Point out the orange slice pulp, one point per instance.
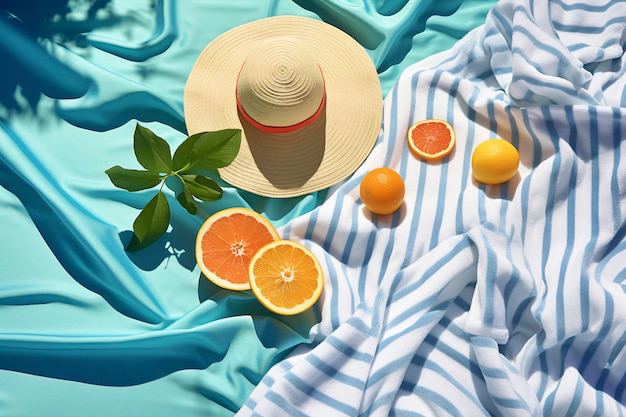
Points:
(431, 139)
(226, 243)
(286, 277)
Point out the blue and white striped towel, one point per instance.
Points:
(480, 300)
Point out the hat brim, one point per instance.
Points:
(310, 159)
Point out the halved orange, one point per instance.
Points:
(286, 277)
(226, 243)
(431, 139)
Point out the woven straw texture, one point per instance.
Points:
(310, 159)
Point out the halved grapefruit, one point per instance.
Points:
(431, 139)
(226, 243)
(286, 277)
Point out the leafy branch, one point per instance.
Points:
(198, 153)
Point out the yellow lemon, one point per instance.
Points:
(494, 161)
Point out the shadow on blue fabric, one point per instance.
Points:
(36, 72)
(372, 32)
(22, 24)
(119, 363)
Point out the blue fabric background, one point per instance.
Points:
(85, 328)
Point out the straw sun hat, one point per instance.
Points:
(305, 95)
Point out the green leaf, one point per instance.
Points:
(185, 198)
(151, 223)
(203, 188)
(182, 156)
(212, 150)
(132, 179)
(152, 152)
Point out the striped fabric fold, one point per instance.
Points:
(477, 300)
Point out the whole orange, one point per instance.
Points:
(382, 190)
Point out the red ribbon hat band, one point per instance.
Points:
(280, 129)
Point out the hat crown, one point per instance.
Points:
(280, 83)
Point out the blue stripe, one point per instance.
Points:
(308, 234)
(313, 392)
(493, 372)
(599, 404)
(438, 399)
(563, 353)
(491, 272)
(586, 6)
(367, 255)
(514, 279)
(548, 404)
(284, 404)
(413, 310)
(404, 413)
(615, 186)
(602, 334)
(571, 221)
(521, 308)
(390, 368)
(502, 70)
(358, 324)
(334, 298)
(578, 46)
(588, 29)
(349, 351)
(334, 373)
(250, 403)
(504, 188)
(347, 251)
(469, 142)
(484, 342)
(620, 389)
(456, 356)
(424, 320)
(332, 228)
(543, 366)
(617, 349)
(572, 411)
(508, 402)
(504, 23)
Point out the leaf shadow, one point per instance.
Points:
(178, 243)
(34, 70)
